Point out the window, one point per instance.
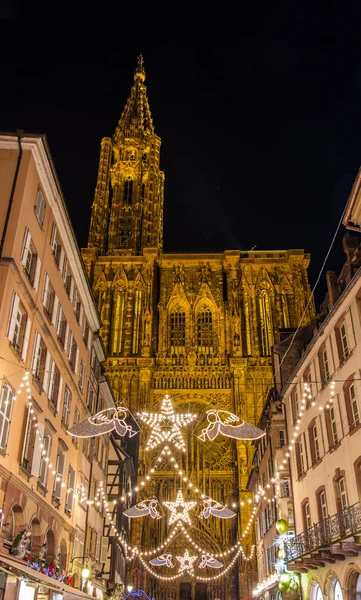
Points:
(84, 490)
(81, 376)
(55, 384)
(286, 488)
(18, 330)
(91, 398)
(6, 408)
(342, 493)
(344, 340)
(76, 303)
(66, 275)
(48, 297)
(94, 364)
(72, 350)
(85, 331)
(59, 475)
(204, 329)
(60, 325)
(281, 437)
(39, 359)
(79, 542)
(314, 442)
(31, 454)
(300, 458)
(44, 461)
(177, 329)
(66, 407)
(322, 505)
(324, 365)
(30, 260)
(350, 389)
(307, 515)
(333, 425)
(39, 208)
(55, 243)
(128, 191)
(70, 491)
(354, 405)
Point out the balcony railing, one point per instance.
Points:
(330, 530)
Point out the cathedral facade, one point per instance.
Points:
(198, 327)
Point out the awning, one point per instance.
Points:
(49, 582)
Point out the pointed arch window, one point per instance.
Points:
(177, 329)
(205, 329)
(117, 321)
(128, 191)
(265, 322)
(136, 320)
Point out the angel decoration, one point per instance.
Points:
(211, 507)
(229, 425)
(163, 559)
(104, 422)
(144, 508)
(209, 561)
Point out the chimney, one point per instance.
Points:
(332, 288)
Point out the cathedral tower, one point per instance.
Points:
(127, 212)
(199, 327)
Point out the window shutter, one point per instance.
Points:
(35, 465)
(70, 491)
(6, 406)
(97, 549)
(44, 299)
(37, 274)
(25, 247)
(54, 316)
(350, 330)
(47, 374)
(26, 339)
(104, 549)
(13, 313)
(59, 393)
(76, 360)
(61, 259)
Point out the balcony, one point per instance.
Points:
(327, 541)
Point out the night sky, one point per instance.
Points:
(259, 111)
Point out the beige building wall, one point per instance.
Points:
(47, 329)
(323, 404)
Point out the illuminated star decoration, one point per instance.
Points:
(186, 562)
(166, 425)
(219, 421)
(179, 509)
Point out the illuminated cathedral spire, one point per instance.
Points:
(127, 212)
(136, 120)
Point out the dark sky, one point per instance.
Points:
(258, 109)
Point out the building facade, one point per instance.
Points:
(270, 483)
(196, 327)
(322, 398)
(52, 485)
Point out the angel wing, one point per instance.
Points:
(163, 559)
(245, 431)
(137, 510)
(102, 422)
(223, 512)
(214, 563)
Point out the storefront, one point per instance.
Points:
(24, 583)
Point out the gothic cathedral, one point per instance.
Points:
(196, 327)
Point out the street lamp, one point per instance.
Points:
(129, 588)
(85, 572)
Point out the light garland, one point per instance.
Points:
(166, 425)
